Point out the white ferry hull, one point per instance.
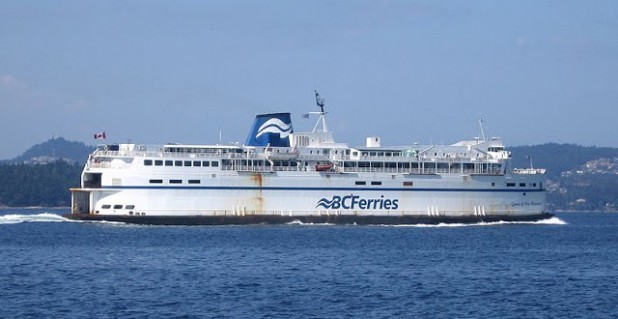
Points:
(321, 198)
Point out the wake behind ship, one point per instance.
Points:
(279, 176)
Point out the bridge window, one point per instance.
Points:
(156, 181)
(175, 181)
(359, 183)
(158, 163)
(376, 183)
(205, 163)
(197, 163)
(169, 163)
(177, 163)
(194, 181)
(106, 206)
(147, 162)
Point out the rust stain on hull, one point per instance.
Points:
(257, 202)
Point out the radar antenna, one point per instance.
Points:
(319, 101)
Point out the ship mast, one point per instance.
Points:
(482, 130)
(320, 102)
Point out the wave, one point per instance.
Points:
(50, 218)
(32, 218)
(298, 222)
(549, 221)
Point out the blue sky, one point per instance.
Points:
(408, 71)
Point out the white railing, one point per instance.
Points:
(529, 171)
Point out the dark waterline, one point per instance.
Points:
(53, 268)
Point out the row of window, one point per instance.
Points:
(175, 181)
(127, 207)
(149, 162)
(373, 183)
(515, 184)
(369, 164)
(194, 150)
(427, 165)
(259, 163)
(118, 207)
(357, 183)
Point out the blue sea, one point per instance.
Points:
(565, 267)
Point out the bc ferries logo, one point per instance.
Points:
(356, 202)
(275, 125)
(271, 130)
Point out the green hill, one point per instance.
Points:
(558, 158)
(579, 178)
(38, 185)
(55, 149)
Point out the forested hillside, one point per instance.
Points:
(579, 178)
(38, 185)
(55, 149)
(558, 158)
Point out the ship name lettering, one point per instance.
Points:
(356, 202)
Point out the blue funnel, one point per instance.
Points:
(273, 129)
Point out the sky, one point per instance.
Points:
(190, 71)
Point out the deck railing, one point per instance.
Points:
(411, 165)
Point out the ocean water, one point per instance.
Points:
(53, 268)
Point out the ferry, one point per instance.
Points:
(280, 176)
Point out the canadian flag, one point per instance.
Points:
(99, 136)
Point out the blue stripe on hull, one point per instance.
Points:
(327, 189)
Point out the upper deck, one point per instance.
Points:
(459, 158)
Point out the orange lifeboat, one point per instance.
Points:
(323, 167)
